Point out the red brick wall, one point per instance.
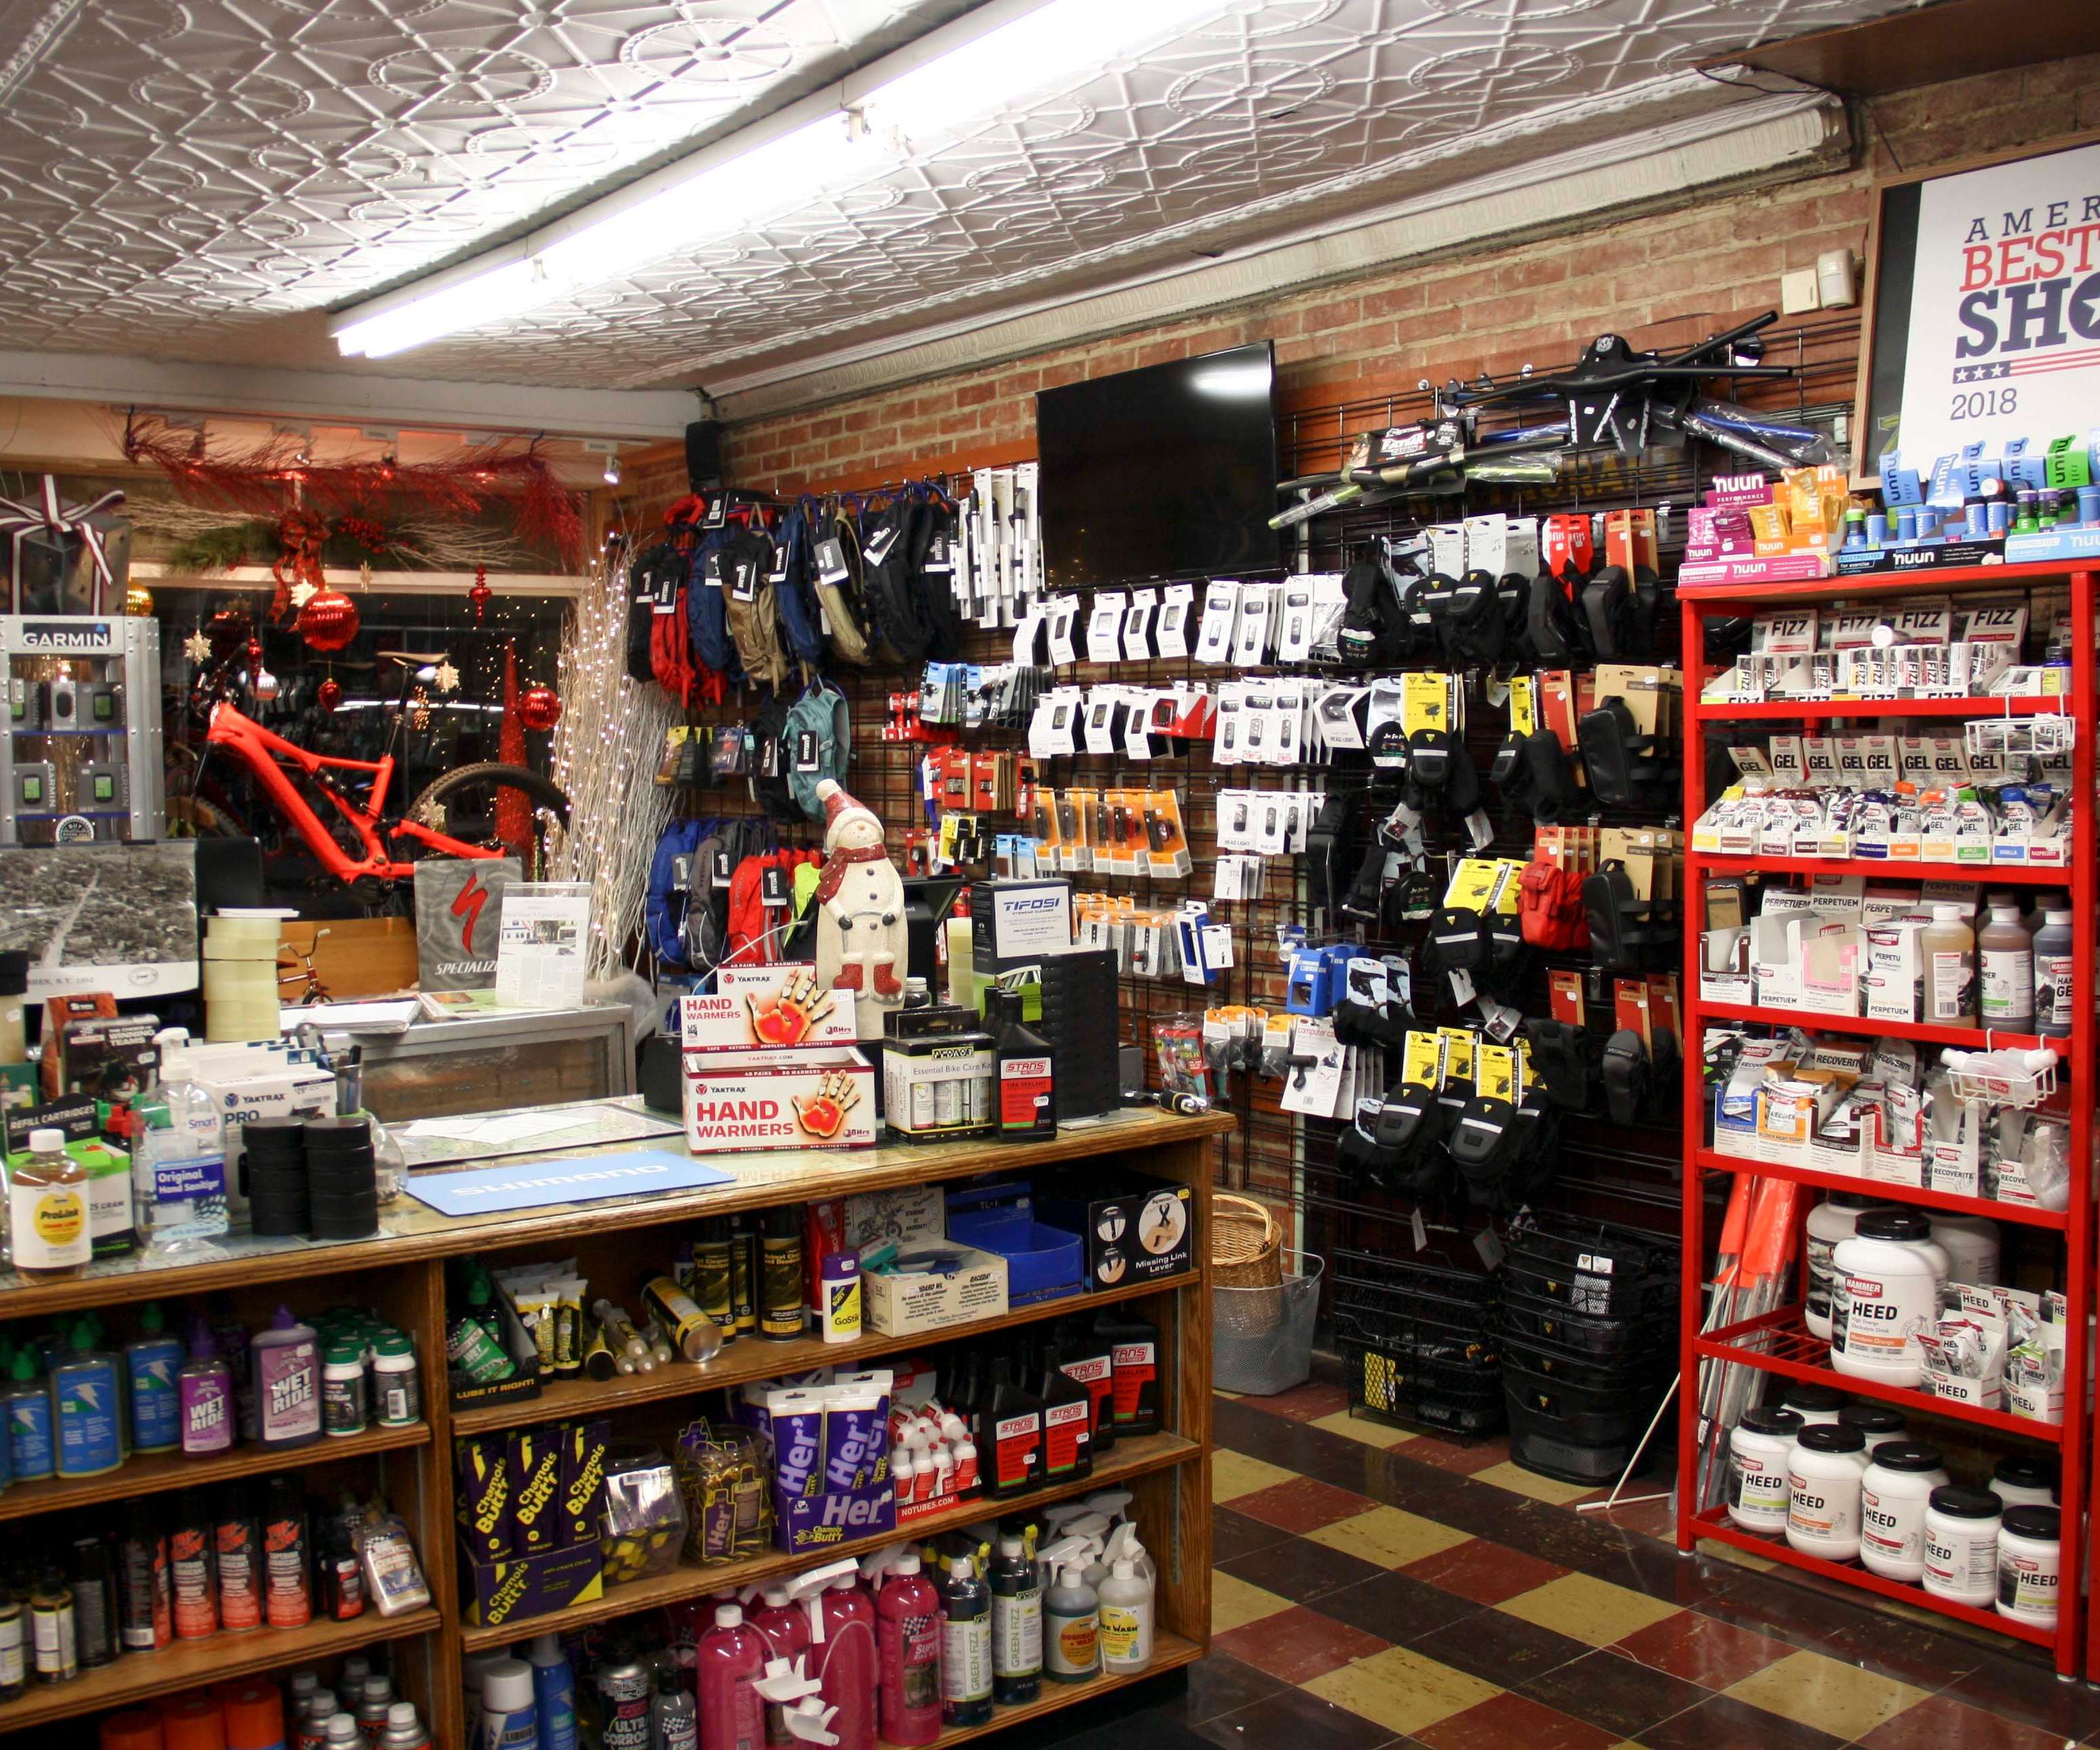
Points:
(1664, 277)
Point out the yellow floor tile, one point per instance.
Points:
(1838, 1698)
(1234, 1474)
(1514, 1477)
(1593, 1611)
(1234, 1603)
(1401, 1691)
(1363, 1428)
(1763, 1564)
(1389, 1536)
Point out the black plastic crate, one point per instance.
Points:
(1533, 1320)
(1550, 1446)
(1590, 1268)
(1593, 1373)
(1446, 1397)
(1420, 1339)
(1589, 1415)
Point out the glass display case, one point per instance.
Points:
(81, 763)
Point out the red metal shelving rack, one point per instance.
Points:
(1784, 1346)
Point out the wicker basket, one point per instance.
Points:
(1246, 1244)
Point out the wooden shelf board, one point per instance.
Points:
(1716, 1163)
(187, 1664)
(155, 1473)
(1169, 1653)
(757, 1359)
(1130, 1458)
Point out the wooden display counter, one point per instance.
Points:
(402, 1272)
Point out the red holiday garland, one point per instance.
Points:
(262, 480)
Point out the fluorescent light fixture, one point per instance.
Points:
(960, 75)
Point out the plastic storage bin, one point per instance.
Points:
(1261, 1338)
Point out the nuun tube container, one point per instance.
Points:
(1822, 1479)
(2030, 1565)
(1759, 1449)
(1899, 1479)
(1961, 1545)
(1889, 1278)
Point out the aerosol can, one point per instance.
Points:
(403, 1731)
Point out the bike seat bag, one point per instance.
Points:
(1550, 914)
(1374, 628)
(1327, 847)
(1553, 631)
(1392, 1143)
(1619, 608)
(1471, 620)
(817, 735)
(1429, 757)
(1620, 762)
(1625, 1073)
(1484, 1142)
(1562, 1057)
(1624, 929)
(1380, 1025)
(1458, 942)
(1430, 602)
(1511, 773)
(1537, 1159)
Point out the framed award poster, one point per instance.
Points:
(1983, 306)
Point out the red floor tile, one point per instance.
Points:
(1303, 1505)
(1306, 1403)
(1703, 1650)
(1508, 1720)
(1942, 1721)
(1486, 1573)
(1298, 1644)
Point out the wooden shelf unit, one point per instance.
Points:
(1778, 1343)
(404, 1273)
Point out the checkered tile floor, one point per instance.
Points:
(1374, 1588)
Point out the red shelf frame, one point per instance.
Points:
(1777, 1343)
(1926, 1032)
(2020, 1214)
(1814, 710)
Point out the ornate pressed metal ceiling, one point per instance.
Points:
(200, 179)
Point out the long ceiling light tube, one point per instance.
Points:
(998, 57)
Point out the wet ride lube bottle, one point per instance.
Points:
(1024, 1071)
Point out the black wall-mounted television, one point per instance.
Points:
(1166, 472)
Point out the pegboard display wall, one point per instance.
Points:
(1624, 1174)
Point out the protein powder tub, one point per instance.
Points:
(1890, 1274)
(1830, 1221)
(1817, 1405)
(2020, 1481)
(1759, 1449)
(1877, 1421)
(1823, 1476)
(1901, 1474)
(1961, 1545)
(2030, 1561)
(1971, 1245)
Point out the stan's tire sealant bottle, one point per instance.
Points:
(1024, 1072)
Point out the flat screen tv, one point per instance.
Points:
(1166, 472)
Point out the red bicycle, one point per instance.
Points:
(468, 793)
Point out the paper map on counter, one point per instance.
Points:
(535, 1184)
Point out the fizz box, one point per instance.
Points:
(765, 1008)
(810, 1097)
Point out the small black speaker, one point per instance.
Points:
(704, 469)
(661, 1075)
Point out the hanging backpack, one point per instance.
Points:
(801, 619)
(771, 757)
(934, 576)
(817, 735)
(743, 564)
(653, 583)
(839, 594)
(664, 904)
(896, 622)
(707, 615)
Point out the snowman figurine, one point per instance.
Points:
(861, 943)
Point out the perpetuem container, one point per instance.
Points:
(1758, 1450)
(1822, 1477)
(1961, 1545)
(2030, 1565)
(1893, 1495)
(1890, 1274)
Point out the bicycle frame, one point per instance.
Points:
(259, 751)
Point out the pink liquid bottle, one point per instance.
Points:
(731, 1658)
(908, 1626)
(846, 1665)
(784, 1627)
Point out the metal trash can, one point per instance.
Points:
(1261, 1338)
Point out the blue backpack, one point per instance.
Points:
(663, 909)
(707, 613)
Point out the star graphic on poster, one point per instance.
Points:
(447, 677)
(196, 646)
(2086, 308)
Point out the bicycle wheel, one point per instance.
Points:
(462, 804)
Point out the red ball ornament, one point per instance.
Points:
(329, 694)
(328, 621)
(540, 708)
